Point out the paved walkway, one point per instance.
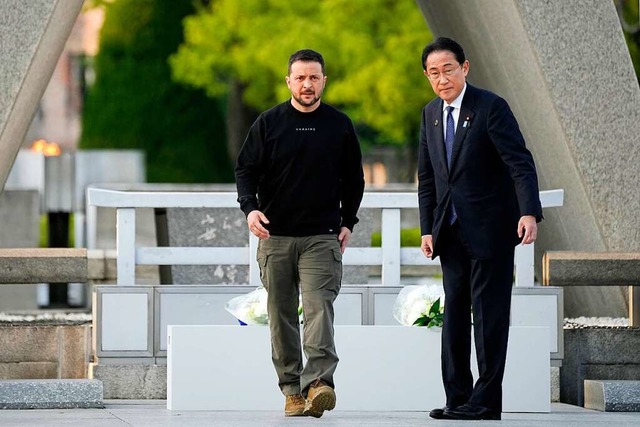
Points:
(154, 413)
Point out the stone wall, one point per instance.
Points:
(44, 351)
(592, 353)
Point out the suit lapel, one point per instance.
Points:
(464, 123)
(438, 137)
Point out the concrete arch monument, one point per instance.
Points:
(565, 69)
(32, 36)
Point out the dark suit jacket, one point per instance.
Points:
(492, 181)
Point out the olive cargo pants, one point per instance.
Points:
(311, 265)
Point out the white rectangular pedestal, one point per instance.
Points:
(382, 368)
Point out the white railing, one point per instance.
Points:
(390, 255)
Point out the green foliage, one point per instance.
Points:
(372, 51)
(409, 238)
(134, 103)
(95, 4)
(434, 317)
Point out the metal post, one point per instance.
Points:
(390, 247)
(524, 265)
(126, 246)
(58, 238)
(634, 305)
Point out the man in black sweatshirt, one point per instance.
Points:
(303, 160)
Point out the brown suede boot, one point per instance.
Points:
(294, 405)
(320, 398)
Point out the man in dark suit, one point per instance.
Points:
(478, 197)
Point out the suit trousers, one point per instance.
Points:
(312, 266)
(481, 287)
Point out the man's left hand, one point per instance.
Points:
(343, 238)
(527, 229)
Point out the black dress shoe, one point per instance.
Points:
(471, 412)
(439, 413)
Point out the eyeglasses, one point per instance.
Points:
(447, 72)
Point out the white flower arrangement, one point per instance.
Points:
(251, 308)
(420, 305)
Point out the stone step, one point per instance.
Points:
(43, 265)
(50, 394)
(569, 268)
(612, 395)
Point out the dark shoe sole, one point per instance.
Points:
(438, 414)
(453, 415)
(325, 400)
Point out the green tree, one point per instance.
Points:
(372, 49)
(135, 104)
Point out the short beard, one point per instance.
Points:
(306, 104)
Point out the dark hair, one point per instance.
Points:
(443, 43)
(306, 55)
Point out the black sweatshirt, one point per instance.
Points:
(306, 169)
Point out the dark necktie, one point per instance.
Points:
(449, 135)
(448, 144)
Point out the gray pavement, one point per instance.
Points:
(154, 413)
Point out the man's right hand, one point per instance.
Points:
(255, 221)
(427, 245)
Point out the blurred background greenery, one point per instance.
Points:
(134, 103)
(184, 80)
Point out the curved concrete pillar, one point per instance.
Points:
(567, 74)
(32, 36)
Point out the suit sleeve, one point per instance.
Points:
(508, 140)
(249, 167)
(426, 182)
(352, 186)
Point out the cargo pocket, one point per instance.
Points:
(262, 263)
(337, 268)
(337, 255)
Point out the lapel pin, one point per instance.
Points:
(435, 123)
(466, 122)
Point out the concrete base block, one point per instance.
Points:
(612, 396)
(588, 355)
(131, 381)
(50, 394)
